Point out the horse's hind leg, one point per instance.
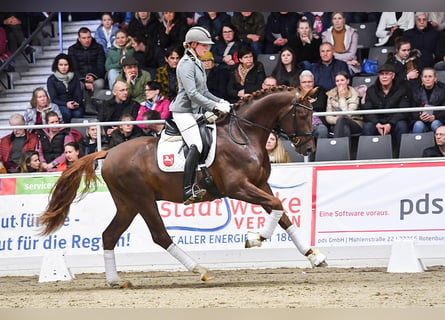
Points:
(160, 236)
(121, 221)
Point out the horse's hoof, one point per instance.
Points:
(121, 284)
(253, 240)
(317, 259)
(206, 275)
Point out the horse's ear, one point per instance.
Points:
(310, 93)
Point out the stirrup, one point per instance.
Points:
(196, 194)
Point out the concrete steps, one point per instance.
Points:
(32, 75)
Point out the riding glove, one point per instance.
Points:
(224, 107)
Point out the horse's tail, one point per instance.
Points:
(65, 189)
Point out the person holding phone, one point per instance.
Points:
(431, 92)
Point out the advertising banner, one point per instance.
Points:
(346, 207)
(217, 225)
(378, 204)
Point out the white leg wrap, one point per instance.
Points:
(110, 266)
(182, 257)
(271, 223)
(301, 246)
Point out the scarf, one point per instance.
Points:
(65, 78)
(243, 73)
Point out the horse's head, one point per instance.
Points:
(296, 122)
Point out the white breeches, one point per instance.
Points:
(186, 123)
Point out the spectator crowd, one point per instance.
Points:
(135, 54)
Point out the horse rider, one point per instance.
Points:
(194, 99)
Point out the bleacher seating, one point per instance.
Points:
(294, 155)
(374, 147)
(380, 54)
(333, 149)
(366, 33)
(366, 80)
(269, 61)
(413, 144)
(441, 75)
(28, 76)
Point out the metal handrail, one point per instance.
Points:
(99, 125)
(82, 124)
(379, 111)
(25, 44)
(117, 123)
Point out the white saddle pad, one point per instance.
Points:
(170, 156)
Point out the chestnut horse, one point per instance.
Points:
(240, 171)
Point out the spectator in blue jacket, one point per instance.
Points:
(325, 70)
(106, 33)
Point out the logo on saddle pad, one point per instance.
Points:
(169, 159)
(170, 153)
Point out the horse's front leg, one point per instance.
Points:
(277, 216)
(263, 196)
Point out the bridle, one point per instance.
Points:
(294, 138)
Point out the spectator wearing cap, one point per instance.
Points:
(135, 78)
(217, 76)
(386, 93)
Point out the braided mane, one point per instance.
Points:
(260, 94)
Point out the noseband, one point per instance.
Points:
(294, 138)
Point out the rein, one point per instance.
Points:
(291, 137)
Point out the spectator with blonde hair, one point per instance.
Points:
(121, 48)
(39, 105)
(275, 149)
(344, 40)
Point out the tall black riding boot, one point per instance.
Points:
(192, 192)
